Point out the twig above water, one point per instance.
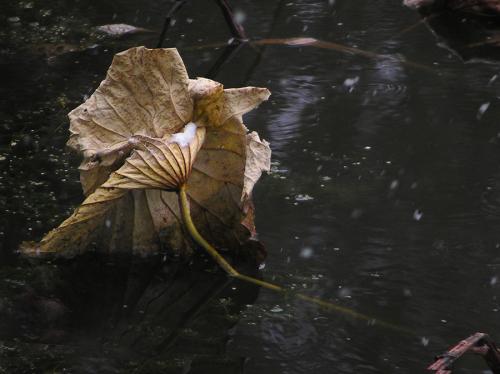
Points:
(168, 19)
(229, 52)
(236, 28)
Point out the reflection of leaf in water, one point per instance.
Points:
(493, 40)
(145, 98)
(136, 312)
(472, 6)
(322, 44)
(466, 35)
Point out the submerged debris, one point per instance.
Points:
(120, 29)
(303, 197)
(463, 5)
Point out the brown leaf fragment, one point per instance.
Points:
(258, 160)
(208, 97)
(239, 101)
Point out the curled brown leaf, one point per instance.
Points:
(131, 166)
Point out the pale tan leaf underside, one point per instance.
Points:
(157, 164)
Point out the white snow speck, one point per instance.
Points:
(424, 341)
(351, 82)
(356, 213)
(239, 16)
(276, 309)
(303, 197)
(482, 109)
(345, 292)
(493, 281)
(306, 252)
(417, 215)
(185, 137)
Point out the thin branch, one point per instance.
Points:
(168, 19)
(236, 28)
(229, 52)
(260, 51)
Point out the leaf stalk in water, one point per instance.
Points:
(188, 222)
(232, 272)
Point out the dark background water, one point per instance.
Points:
(384, 195)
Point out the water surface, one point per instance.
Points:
(384, 195)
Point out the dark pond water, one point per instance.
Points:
(384, 195)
